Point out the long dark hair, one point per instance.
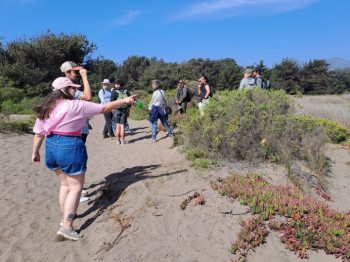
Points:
(45, 108)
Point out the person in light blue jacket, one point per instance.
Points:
(104, 96)
(248, 81)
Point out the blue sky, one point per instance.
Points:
(245, 30)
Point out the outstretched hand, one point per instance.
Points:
(130, 100)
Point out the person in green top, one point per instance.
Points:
(121, 114)
(181, 97)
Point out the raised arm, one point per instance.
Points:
(87, 95)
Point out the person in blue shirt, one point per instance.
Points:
(104, 96)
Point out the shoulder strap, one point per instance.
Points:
(163, 97)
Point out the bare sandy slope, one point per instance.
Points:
(142, 185)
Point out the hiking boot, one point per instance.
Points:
(83, 199)
(170, 135)
(69, 234)
(153, 140)
(118, 142)
(125, 142)
(105, 136)
(112, 135)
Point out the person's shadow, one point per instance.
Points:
(114, 186)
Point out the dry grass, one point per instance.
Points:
(331, 107)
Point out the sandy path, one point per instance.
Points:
(142, 180)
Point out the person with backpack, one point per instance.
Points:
(121, 114)
(157, 106)
(60, 118)
(259, 81)
(181, 97)
(104, 97)
(248, 81)
(205, 93)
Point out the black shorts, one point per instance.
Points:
(120, 116)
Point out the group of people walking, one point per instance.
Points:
(119, 116)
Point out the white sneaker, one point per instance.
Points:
(83, 192)
(83, 199)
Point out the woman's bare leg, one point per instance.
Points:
(64, 190)
(75, 185)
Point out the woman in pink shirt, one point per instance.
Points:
(60, 117)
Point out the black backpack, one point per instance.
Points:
(265, 83)
(189, 95)
(98, 97)
(212, 91)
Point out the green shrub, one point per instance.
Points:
(141, 94)
(202, 163)
(139, 114)
(25, 106)
(192, 154)
(333, 130)
(177, 140)
(255, 124)
(19, 126)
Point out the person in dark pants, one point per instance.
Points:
(105, 97)
(181, 97)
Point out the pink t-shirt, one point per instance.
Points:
(67, 117)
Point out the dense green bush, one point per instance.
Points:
(18, 126)
(25, 106)
(255, 124)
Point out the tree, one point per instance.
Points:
(287, 75)
(315, 77)
(34, 62)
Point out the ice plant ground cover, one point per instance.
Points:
(304, 222)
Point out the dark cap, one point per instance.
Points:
(256, 69)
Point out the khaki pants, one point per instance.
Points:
(201, 106)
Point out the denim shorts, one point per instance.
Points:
(67, 153)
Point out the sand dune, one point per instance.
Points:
(141, 184)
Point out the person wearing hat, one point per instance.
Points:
(248, 81)
(60, 118)
(181, 97)
(104, 96)
(75, 73)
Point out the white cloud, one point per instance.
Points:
(234, 7)
(129, 17)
